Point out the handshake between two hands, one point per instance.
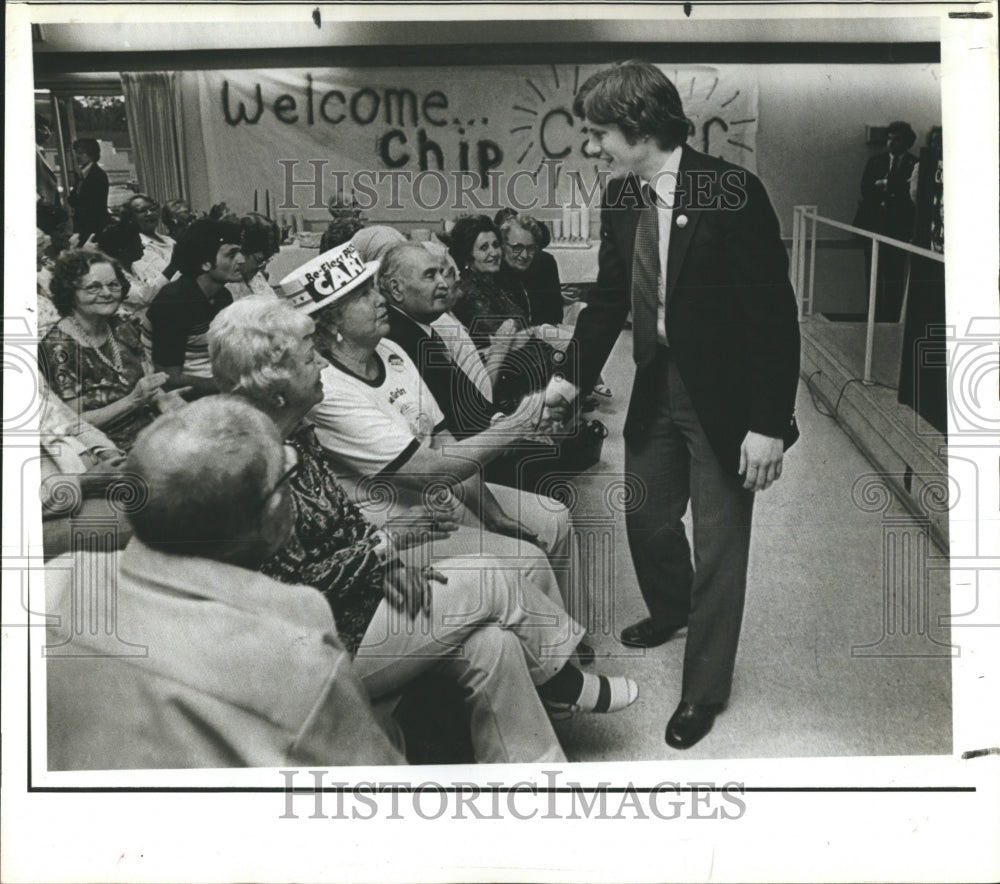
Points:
(541, 414)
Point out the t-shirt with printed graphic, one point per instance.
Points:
(376, 426)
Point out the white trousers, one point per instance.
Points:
(498, 626)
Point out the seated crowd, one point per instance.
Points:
(342, 477)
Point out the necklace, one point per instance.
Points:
(118, 366)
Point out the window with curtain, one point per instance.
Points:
(154, 121)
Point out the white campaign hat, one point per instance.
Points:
(326, 279)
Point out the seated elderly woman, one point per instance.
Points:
(511, 627)
(261, 242)
(527, 265)
(157, 248)
(93, 359)
(517, 358)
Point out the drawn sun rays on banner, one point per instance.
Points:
(720, 103)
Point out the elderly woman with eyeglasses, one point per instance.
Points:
(525, 264)
(260, 243)
(92, 358)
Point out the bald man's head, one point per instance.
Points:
(207, 470)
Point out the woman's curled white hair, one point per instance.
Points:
(250, 345)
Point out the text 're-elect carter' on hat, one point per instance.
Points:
(326, 279)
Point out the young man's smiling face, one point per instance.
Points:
(608, 141)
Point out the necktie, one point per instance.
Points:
(645, 280)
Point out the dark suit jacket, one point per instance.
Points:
(89, 201)
(466, 410)
(731, 314)
(889, 211)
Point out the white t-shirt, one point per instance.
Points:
(375, 426)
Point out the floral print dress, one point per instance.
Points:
(77, 373)
(332, 547)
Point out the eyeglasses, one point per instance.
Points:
(522, 250)
(96, 288)
(291, 455)
(259, 259)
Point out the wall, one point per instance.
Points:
(810, 138)
(811, 135)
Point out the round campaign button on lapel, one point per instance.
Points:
(682, 221)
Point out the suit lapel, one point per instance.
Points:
(682, 231)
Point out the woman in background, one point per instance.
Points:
(260, 243)
(122, 241)
(177, 216)
(157, 248)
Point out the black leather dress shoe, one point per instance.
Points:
(690, 723)
(646, 634)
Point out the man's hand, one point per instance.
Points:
(409, 589)
(510, 335)
(147, 387)
(418, 525)
(496, 520)
(558, 404)
(760, 461)
(525, 420)
(171, 400)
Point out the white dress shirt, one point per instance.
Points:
(665, 185)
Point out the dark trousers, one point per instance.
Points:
(675, 464)
(890, 283)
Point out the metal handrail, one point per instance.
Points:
(806, 215)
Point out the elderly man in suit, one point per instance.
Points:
(691, 245)
(887, 208)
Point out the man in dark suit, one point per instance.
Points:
(691, 245)
(886, 207)
(89, 197)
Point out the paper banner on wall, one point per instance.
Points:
(431, 143)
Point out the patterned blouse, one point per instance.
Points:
(77, 372)
(332, 547)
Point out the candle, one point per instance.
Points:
(566, 221)
(574, 225)
(255, 199)
(557, 228)
(267, 203)
(585, 222)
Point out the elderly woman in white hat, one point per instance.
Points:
(383, 427)
(517, 639)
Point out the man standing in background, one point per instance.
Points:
(886, 207)
(691, 245)
(89, 198)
